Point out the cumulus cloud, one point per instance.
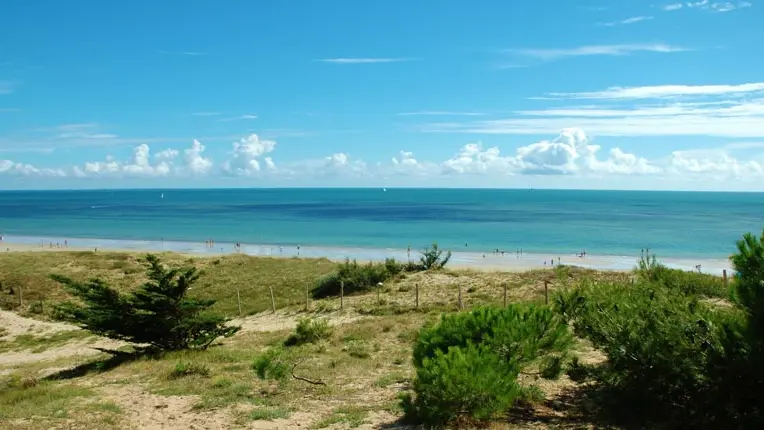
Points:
(569, 153)
(195, 161)
(405, 159)
(245, 157)
(8, 167)
(140, 164)
(718, 164)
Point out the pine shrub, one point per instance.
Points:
(159, 313)
(465, 382)
(467, 365)
(519, 333)
(434, 258)
(309, 330)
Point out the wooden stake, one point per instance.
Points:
(417, 295)
(307, 298)
(238, 300)
(724, 274)
(21, 301)
(379, 298)
(342, 295)
(461, 306)
(546, 292)
(273, 300)
(505, 294)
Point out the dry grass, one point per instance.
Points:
(251, 276)
(365, 363)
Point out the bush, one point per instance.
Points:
(434, 258)
(658, 344)
(271, 365)
(158, 313)
(309, 331)
(521, 333)
(357, 277)
(183, 369)
(470, 382)
(467, 365)
(689, 283)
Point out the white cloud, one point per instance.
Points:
(732, 111)
(195, 162)
(632, 20)
(664, 91)
(707, 5)
(719, 165)
(8, 167)
(239, 118)
(672, 7)
(405, 158)
(246, 153)
(140, 164)
(166, 155)
(590, 50)
(366, 60)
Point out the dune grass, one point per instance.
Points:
(364, 362)
(223, 276)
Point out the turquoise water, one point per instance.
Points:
(673, 224)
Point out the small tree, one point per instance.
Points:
(159, 313)
(434, 258)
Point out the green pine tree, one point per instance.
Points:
(159, 313)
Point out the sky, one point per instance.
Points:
(596, 94)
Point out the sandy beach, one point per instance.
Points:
(488, 261)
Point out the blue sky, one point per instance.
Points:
(560, 94)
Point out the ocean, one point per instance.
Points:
(606, 223)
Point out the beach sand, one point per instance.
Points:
(508, 262)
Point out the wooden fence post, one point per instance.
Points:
(21, 300)
(724, 274)
(238, 300)
(379, 298)
(461, 305)
(505, 294)
(342, 295)
(273, 300)
(307, 298)
(417, 295)
(546, 292)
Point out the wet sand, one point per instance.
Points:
(461, 259)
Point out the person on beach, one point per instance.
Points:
(66, 244)
(298, 249)
(281, 249)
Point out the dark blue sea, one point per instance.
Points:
(672, 224)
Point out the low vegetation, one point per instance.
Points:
(655, 348)
(468, 365)
(160, 313)
(352, 277)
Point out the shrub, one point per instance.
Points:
(467, 365)
(158, 313)
(519, 333)
(183, 369)
(309, 330)
(357, 348)
(271, 365)
(434, 258)
(658, 346)
(469, 381)
(357, 277)
(689, 283)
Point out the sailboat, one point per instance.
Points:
(162, 196)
